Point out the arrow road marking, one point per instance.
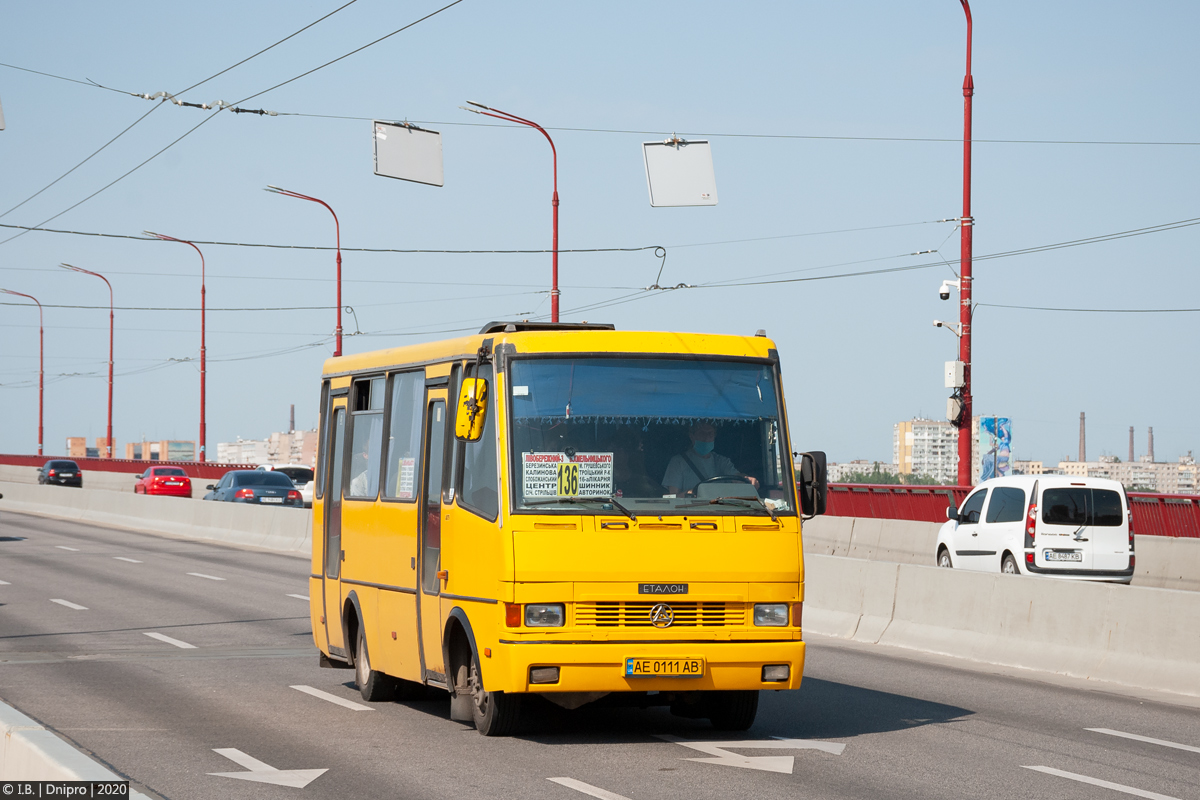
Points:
(333, 698)
(721, 756)
(69, 604)
(202, 575)
(169, 640)
(1103, 784)
(1137, 738)
(265, 773)
(587, 788)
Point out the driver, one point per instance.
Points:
(699, 463)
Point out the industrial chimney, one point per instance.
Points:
(1131, 444)
(1082, 439)
(1150, 447)
(292, 422)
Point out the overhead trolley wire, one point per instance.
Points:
(158, 105)
(347, 55)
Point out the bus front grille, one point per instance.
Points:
(619, 614)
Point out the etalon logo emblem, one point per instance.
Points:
(661, 616)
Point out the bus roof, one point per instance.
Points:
(565, 338)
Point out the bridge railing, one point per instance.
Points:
(194, 469)
(1153, 514)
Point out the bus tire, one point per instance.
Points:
(373, 686)
(733, 711)
(495, 713)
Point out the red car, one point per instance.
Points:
(170, 481)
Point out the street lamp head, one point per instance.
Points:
(478, 105)
(73, 269)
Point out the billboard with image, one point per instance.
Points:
(995, 447)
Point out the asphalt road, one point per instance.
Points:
(868, 722)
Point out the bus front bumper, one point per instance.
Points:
(601, 666)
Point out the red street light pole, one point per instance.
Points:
(203, 427)
(965, 428)
(41, 361)
(507, 117)
(108, 442)
(338, 227)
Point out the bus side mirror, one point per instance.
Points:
(472, 409)
(813, 484)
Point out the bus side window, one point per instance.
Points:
(451, 482)
(367, 439)
(479, 477)
(404, 436)
(322, 445)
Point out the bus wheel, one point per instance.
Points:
(374, 686)
(495, 713)
(733, 711)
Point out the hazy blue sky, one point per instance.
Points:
(858, 353)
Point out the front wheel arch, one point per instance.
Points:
(457, 637)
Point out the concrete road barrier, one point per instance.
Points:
(287, 530)
(92, 479)
(1163, 562)
(1135, 636)
(30, 752)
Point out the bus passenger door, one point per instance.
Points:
(428, 603)
(332, 588)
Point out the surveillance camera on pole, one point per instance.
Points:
(944, 292)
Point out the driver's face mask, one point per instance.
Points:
(703, 448)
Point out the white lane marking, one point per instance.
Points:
(5, 583)
(169, 640)
(588, 789)
(69, 604)
(299, 596)
(130, 560)
(1117, 787)
(782, 764)
(333, 698)
(1137, 738)
(202, 575)
(265, 773)
(64, 547)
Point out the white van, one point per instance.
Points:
(1053, 525)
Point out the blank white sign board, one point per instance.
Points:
(680, 173)
(408, 153)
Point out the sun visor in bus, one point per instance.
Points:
(611, 388)
(472, 409)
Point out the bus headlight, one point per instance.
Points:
(772, 615)
(545, 615)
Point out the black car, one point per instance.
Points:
(60, 472)
(256, 486)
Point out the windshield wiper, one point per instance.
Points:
(744, 501)
(575, 499)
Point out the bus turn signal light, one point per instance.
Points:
(512, 615)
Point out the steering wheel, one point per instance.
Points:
(705, 488)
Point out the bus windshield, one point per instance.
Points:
(647, 435)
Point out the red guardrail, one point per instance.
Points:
(1153, 514)
(1165, 514)
(131, 466)
(921, 503)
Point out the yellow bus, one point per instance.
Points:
(564, 510)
